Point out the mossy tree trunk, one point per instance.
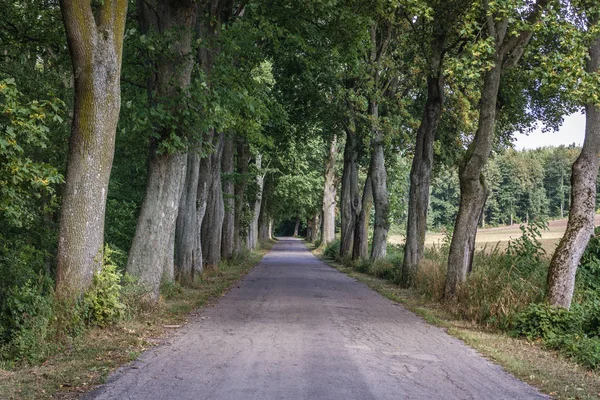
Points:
(166, 170)
(96, 47)
(580, 227)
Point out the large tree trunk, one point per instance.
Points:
(96, 52)
(166, 175)
(580, 228)
(264, 232)
(243, 157)
(227, 245)
(420, 176)
(212, 224)
(253, 230)
(186, 242)
(361, 229)
(153, 234)
(349, 198)
(329, 192)
(473, 190)
(378, 176)
(297, 227)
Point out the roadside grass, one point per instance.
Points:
(88, 359)
(547, 370)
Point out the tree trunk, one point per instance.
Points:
(186, 241)
(227, 244)
(166, 172)
(297, 227)
(253, 230)
(212, 224)
(96, 50)
(580, 228)
(264, 233)
(378, 176)
(349, 198)
(243, 157)
(309, 229)
(156, 222)
(361, 230)
(317, 226)
(329, 192)
(169, 263)
(420, 177)
(473, 191)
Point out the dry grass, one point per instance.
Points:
(547, 370)
(88, 360)
(491, 237)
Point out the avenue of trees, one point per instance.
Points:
(178, 134)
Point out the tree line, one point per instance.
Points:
(179, 132)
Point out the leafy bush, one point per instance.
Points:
(332, 250)
(574, 332)
(28, 313)
(26, 302)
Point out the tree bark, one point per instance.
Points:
(378, 176)
(580, 227)
(227, 245)
(360, 249)
(96, 48)
(158, 215)
(420, 174)
(349, 198)
(329, 193)
(167, 172)
(212, 224)
(242, 160)
(297, 227)
(253, 230)
(473, 190)
(264, 232)
(186, 241)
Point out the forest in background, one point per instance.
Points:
(144, 144)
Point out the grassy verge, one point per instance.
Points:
(547, 370)
(88, 359)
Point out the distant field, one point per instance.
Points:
(490, 237)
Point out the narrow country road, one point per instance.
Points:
(296, 328)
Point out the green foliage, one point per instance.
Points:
(120, 223)
(574, 332)
(26, 321)
(332, 250)
(526, 251)
(24, 127)
(101, 304)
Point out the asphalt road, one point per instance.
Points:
(296, 328)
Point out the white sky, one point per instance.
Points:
(572, 131)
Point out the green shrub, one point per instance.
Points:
(385, 269)
(332, 250)
(101, 304)
(542, 321)
(28, 313)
